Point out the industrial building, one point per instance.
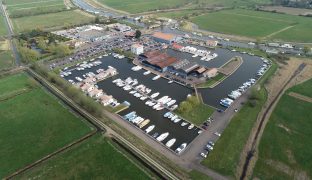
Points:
(165, 38)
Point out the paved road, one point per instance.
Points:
(10, 34)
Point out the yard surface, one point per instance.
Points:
(210, 82)
(3, 30)
(196, 113)
(95, 158)
(51, 21)
(285, 150)
(257, 24)
(136, 6)
(303, 88)
(6, 56)
(29, 6)
(32, 123)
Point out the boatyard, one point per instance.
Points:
(152, 98)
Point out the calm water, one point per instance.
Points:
(211, 96)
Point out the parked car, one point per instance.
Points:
(217, 134)
(204, 154)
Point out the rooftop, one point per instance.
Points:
(164, 36)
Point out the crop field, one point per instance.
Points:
(303, 88)
(285, 150)
(33, 123)
(96, 158)
(135, 6)
(51, 20)
(3, 30)
(178, 14)
(257, 24)
(6, 56)
(26, 7)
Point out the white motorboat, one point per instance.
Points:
(156, 77)
(155, 95)
(167, 114)
(170, 142)
(181, 148)
(133, 92)
(174, 117)
(184, 124)
(162, 137)
(191, 126)
(177, 120)
(171, 115)
(169, 82)
(174, 107)
(150, 128)
(171, 102)
(143, 98)
(146, 73)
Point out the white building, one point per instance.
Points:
(137, 49)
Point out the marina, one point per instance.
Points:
(151, 117)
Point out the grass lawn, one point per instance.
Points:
(212, 81)
(225, 157)
(95, 158)
(303, 88)
(257, 24)
(197, 113)
(135, 6)
(6, 59)
(285, 150)
(32, 124)
(51, 20)
(196, 175)
(3, 30)
(29, 6)
(178, 14)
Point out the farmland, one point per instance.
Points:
(28, 7)
(257, 24)
(3, 30)
(285, 148)
(6, 57)
(304, 88)
(96, 158)
(32, 123)
(144, 5)
(51, 21)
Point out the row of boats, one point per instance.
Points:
(176, 119)
(226, 102)
(142, 92)
(204, 54)
(137, 68)
(142, 122)
(118, 56)
(85, 65)
(233, 95)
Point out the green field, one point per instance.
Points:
(135, 6)
(6, 59)
(194, 111)
(33, 123)
(257, 24)
(303, 88)
(3, 30)
(96, 158)
(51, 21)
(178, 14)
(285, 150)
(32, 6)
(210, 82)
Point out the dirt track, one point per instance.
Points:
(273, 87)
